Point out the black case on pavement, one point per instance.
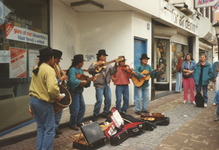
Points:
(199, 100)
(93, 135)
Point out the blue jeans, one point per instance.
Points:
(45, 118)
(205, 90)
(122, 89)
(217, 111)
(106, 91)
(58, 117)
(178, 87)
(138, 98)
(77, 109)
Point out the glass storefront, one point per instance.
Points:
(176, 49)
(161, 57)
(24, 31)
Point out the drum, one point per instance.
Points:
(64, 102)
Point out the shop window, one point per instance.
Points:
(24, 31)
(161, 57)
(177, 49)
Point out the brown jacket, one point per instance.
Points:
(179, 64)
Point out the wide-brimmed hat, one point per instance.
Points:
(143, 56)
(122, 57)
(102, 52)
(57, 53)
(46, 51)
(78, 58)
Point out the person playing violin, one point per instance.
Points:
(76, 88)
(102, 84)
(121, 80)
(144, 88)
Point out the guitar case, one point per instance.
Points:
(159, 119)
(93, 136)
(132, 127)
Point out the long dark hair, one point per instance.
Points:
(73, 64)
(42, 60)
(189, 55)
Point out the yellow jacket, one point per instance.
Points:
(44, 85)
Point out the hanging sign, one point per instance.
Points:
(215, 7)
(25, 35)
(18, 64)
(205, 3)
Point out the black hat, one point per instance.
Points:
(122, 57)
(57, 53)
(101, 52)
(78, 58)
(46, 51)
(143, 56)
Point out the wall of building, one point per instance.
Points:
(104, 30)
(64, 31)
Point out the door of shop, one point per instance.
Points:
(140, 47)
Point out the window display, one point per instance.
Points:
(176, 50)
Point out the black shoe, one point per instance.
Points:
(56, 136)
(58, 131)
(138, 113)
(145, 111)
(106, 115)
(95, 118)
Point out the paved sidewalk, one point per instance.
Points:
(190, 128)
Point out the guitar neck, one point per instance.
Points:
(109, 62)
(150, 72)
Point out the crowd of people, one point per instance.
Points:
(44, 88)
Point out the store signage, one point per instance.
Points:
(25, 35)
(205, 3)
(18, 64)
(178, 18)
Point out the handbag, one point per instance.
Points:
(185, 77)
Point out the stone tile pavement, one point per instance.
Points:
(190, 128)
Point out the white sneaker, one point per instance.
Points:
(194, 103)
(214, 104)
(184, 101)
(205, 105)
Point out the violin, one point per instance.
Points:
(127, 69)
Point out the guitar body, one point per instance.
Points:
(138, 82)
(99, 68)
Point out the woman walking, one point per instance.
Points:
(188, 81)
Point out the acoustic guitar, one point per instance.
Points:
(87, 78)
(104, 64)
(138, 82)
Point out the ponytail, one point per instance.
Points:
(42, 60)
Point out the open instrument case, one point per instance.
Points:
(91, 137)
(124, 127)
(157, 118)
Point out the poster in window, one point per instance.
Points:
(33, 60)
(18, 63)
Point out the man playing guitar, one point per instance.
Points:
(144, 88)
(102, 84)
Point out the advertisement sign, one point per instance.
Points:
(215, 7)
(33, 60)
(5, 56)
(4, 11)
(25, 35)
(205, 3)
(18, 64)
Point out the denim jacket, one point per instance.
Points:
(185, 66)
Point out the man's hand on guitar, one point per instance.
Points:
(116, 61)
(94, 79)
(99, 63)
(159, 70)
(144, 77)
(83, 82)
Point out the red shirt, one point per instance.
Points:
(122, 78)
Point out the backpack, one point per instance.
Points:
(199, 100)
